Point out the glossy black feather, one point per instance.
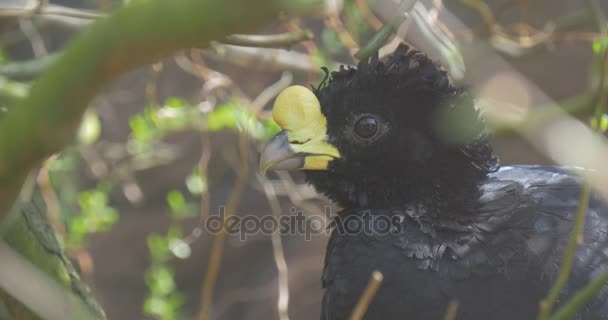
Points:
(497, 264)
(460, 228)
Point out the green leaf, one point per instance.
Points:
(599, 45)
(224, 116)
(270, 129)
(95, 216)
(159, 307)
(160, 280)
(603, 125)
(176, 102)
(176, 200)
(142, 129)
(178, 205)
(158, 248)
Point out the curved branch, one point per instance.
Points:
(283, 40)
(134, 35)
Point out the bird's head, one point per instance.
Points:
(383, 134)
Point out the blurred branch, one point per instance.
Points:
(25, 70)
(58, 293)
(283, 40)
(388, 29)
(452, 310)
(576, 106)
(595, 9)
(32, 34)
(217, 248)
(271, 92)
(277, 250)
(47, 119)
(367, 14)
(48, 9)
(576, 237)
(578, 301)
(46, 298)
(367, 296)
(547, 304)
(262, 59)
(527, 40)
(257, 58)
(441, 39)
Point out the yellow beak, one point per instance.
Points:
(302, 145)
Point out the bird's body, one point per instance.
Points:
(496, 263)
(398, 146)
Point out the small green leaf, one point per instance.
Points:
(158, 248)
(178, 205)
(599, 45)
(603, 126)
(225, 116)
(175, 102)
(159, 307)
(160, 280)
(176, 201)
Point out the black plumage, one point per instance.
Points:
(462, 228)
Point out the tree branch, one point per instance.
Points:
(282, 40)
(133, 35)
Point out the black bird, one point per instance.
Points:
(375, 140)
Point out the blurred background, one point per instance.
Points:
(171, 143)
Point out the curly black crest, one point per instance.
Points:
(421, 112)
(404, 68)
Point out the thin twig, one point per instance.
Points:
(452, 310)
(595, 9)
(282, 40)
(271, 92)
(28, 69)
(32, 34)
(334, 22)
(152, 84)
(49, 196)
(368, 15)
(368, 294)
(215, 259)
(75, 78)
(262, 59)
(528, 40)
(381, 36)
(546, 306)
(310, 47)
(277, 250)
(50, 9)
(578, 301)
(576, 238)
(484, 12)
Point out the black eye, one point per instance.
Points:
(366, 127)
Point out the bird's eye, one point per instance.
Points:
(366, 127)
